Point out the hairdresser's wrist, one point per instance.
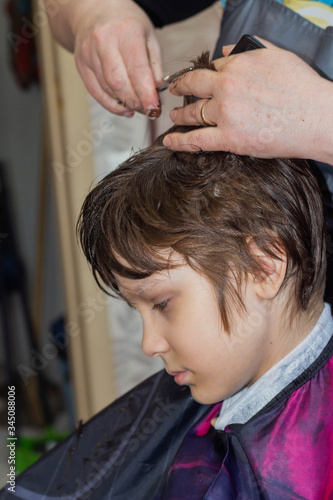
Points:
(320, 139)
(62, 20)
(74, 16)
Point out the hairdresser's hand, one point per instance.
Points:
(266, 103)
(116, 52)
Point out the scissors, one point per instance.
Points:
(167, 80)
(246, 43)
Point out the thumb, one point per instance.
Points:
(226, 49)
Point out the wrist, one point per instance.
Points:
(88, 13)
(78, 11)
(322, 138)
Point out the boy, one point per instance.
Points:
(224, 258)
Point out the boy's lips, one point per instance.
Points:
(179, 376)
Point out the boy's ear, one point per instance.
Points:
(267, 285)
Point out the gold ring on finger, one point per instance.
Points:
(206, 122)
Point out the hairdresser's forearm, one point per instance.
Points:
(322, 136)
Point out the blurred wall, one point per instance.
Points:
(20, 150)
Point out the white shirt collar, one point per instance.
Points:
(243, 405)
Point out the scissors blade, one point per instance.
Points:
(166, 80)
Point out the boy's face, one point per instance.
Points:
(182, 325)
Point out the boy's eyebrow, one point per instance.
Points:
(128, 295)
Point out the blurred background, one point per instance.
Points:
(68, 349)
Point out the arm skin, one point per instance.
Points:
(266, 103)
(115, 47)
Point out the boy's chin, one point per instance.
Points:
(202, 398)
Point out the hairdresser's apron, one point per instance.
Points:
(285, 28)
(280, 25)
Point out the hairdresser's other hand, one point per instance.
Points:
(116, 52)
(266, 103)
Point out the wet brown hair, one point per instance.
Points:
(206, 207)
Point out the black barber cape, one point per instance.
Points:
(124, 452)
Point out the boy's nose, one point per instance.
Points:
(153, 344)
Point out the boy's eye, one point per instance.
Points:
(161, 305)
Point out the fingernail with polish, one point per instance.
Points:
(153, 112)
(128, 114)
